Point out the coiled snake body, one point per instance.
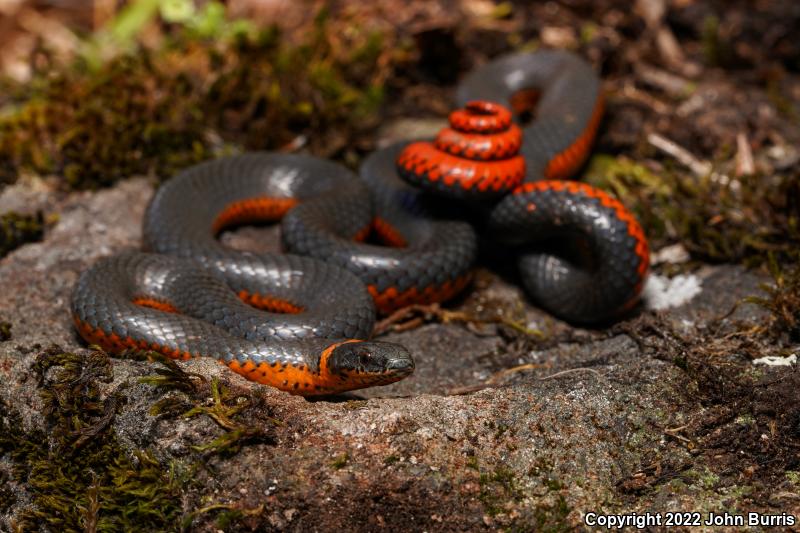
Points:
(296, 321)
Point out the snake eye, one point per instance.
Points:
(365, 358)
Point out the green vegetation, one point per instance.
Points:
(223, 411)
(340, 461)
(211, 84)
(78, 475)
(497, 488)
(782, 299)
(16, 230)
(714, 220)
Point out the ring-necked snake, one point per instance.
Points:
(295, 321)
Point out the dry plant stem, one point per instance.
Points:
(572, 371)
(493, 380)
(497, 376)
(745, 164)
(631, 93)
(670, 49)
(679, 428)
(400, 319)
(652, 11)
(681, 154)
(404, 319)
(671, 84)
(678, 437)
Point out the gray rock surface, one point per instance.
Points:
(535, 448)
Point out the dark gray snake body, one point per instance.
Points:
(296, 322)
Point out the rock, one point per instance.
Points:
(533, 452)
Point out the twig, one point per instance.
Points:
(699, 168)
(403, 320)
(395, 320)
(678, 437)
(573, 370)
(745, 165)
(672, 430)
(653, 11)
(294, 145)
(492, 381)
(670, 49)
(494, 378)
(671, 84)
(632, 94)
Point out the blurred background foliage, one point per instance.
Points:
(172, 83)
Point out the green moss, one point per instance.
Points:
(169, 375)
(78, 475)
(224, 410)
(553, 518)
(712, 219)
(502, 10)
(708, 479)
(782, 298)
(793, 477)
(390, 460)
(228, 514)
(588, 31)
(5, 331)
(339, 461)
(710, 38)
(553, 484)
(158, 110)
(7, 497)
(16, 230)
(702, 478)
(497, 488)
(716, 48)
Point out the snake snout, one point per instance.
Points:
(376, 362)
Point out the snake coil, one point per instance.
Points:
(300, 321)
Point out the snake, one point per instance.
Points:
(361, 244)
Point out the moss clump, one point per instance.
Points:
(553, 518)
(5, 331)
(78, 475)
(224, 410)
(340, 461)
(158, 110)
(716, 220)
(497, 488)
(782, 300)
(16, 230)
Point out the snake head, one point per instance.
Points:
(358, 364)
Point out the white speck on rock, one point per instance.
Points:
(425, 433)
(661, 292)
(772, 360)
(673, 254)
